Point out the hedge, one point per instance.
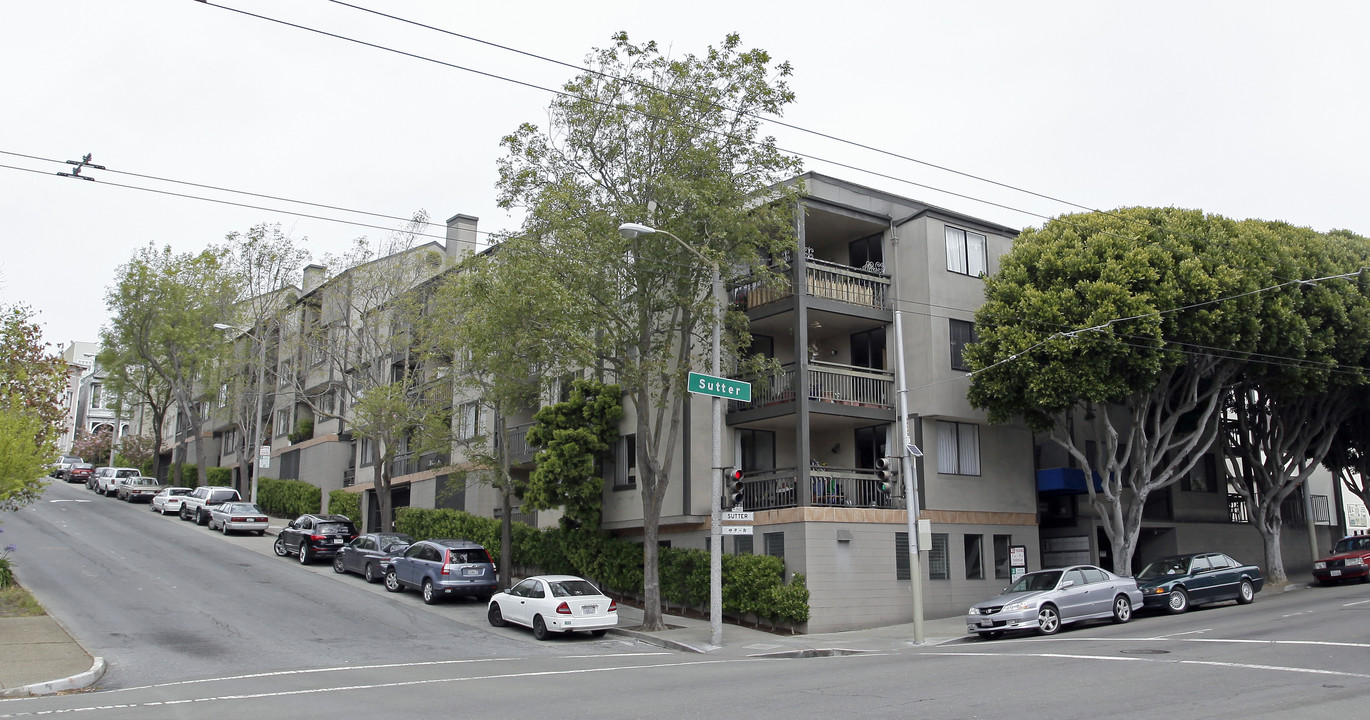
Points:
(288, 498)
(190, 475)
(342, 502)
(752, 584)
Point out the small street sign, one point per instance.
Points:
(735, 516)
(720, 387)
(737, 529)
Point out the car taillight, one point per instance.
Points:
(563, 609)
(446, 562)
(613, 606)
(317, 538)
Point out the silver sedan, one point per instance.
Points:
(243, 516)
(1045, 600)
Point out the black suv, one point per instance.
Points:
(315, 536)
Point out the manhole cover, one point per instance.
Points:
(1144, 651)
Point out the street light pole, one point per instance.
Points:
(256, 419)
(631, 231)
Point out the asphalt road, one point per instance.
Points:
(1297, 654)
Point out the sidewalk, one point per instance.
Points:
(34, 650)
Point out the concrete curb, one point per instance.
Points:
(660, 642)
(75, 682)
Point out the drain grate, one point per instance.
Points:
(1144, 651)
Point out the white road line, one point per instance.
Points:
(1358, 602)
(1211, 663)
(353, 688)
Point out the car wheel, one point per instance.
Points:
(182, 513)
(598, 633)
(261, 533)
(279, 547)
(392, 582)
(338, 565)
(1122, 609)
(1178, 601)
(494, 615)
(303, 554)
(201, 518)
(224, 527)
(540, 628)
(1246, 594)
(430, 595)
(1048, 620)
(484, 597)
(992, 634)
(369, 572)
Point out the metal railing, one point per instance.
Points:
(1236, 509)
(822, 279)
(519, 449)
(828, 487)
(828, 382)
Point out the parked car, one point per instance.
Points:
(1048, 599)
(138, 489)
(64, 463)
(371, 555)
(80, 472)
(554, 603)
(238, 516)
(1350, 560)
(169, 500)
(315, 536)
(106, 484)
(1179, 581)
(93, 481)
(444, 567)
(195, 506)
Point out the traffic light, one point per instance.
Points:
(732, 478)
(886, 469)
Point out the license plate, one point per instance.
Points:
(336, 541)
(986, 623)
(470, 572)
(588, 609)
(1336, 573)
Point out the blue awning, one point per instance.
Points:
(1065, 481)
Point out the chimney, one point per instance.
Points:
(314, 275)
(461, 236)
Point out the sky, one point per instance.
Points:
(1011, 111)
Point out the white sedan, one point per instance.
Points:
(554, 603)
(243, 516)
(169, 500)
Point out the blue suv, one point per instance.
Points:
(444, 567)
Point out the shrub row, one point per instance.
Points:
(752, 584)
(342, 502)
(289, 498)
(190, 475)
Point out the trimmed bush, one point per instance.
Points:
(220, 476)
(287, 498)
(752, 584)
(342, 502)
(190, 475)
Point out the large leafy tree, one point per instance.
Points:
(31, 379)
(1286, 416)
(573, 436)
(675, 143)
(162, 315)
(1129, 324)
(137, 388)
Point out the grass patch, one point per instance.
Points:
(17, 602)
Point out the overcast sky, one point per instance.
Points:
(1247, 109)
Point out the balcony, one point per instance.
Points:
(828, 383)
(828, 487)
(824, 280)
(519, 450)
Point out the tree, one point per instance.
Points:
(163, 311)
(359, 357)
(93, 445)
(674, 143)
(1284, 418)
(574, 435)
(128, 378)
(31, 379)
(1113, 320)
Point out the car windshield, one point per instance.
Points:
(125, 473)
(142, 481)
(333, 528)
(1165, 567)
(180, 491)
(1036, 582)
(242, 508)
(571, 588)
(221, 497)
(1352, 544)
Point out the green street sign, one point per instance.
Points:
(720, 387)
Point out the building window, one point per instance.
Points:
(901, 556)
(1203, 477)
(868, 349)
(775, 544)
(758, 450)
(286, 375)
(1001, 556)
(965, 252)
(742, 544)
(283, 422)
(962, 334)
(223, 395)
(975, 569)
(958, 448)
(97, 397)
(468, 421)
(368, 452)
(939, 565)
(868, 253)
(625, 471)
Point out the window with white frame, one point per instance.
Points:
(625, 464)
(97, 396)
(468, 421)
(958, 448)
(966, 252)
(368, 452)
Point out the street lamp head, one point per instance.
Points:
(222, 326)
(634, 230)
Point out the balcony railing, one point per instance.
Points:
(519, 449)
(822, 280)
(828, 382)
(828, 487)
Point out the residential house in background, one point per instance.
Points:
(79, 357)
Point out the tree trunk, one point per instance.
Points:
(380, 487)
(1274, 556)
(651, 585)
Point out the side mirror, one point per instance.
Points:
(1067, 584)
